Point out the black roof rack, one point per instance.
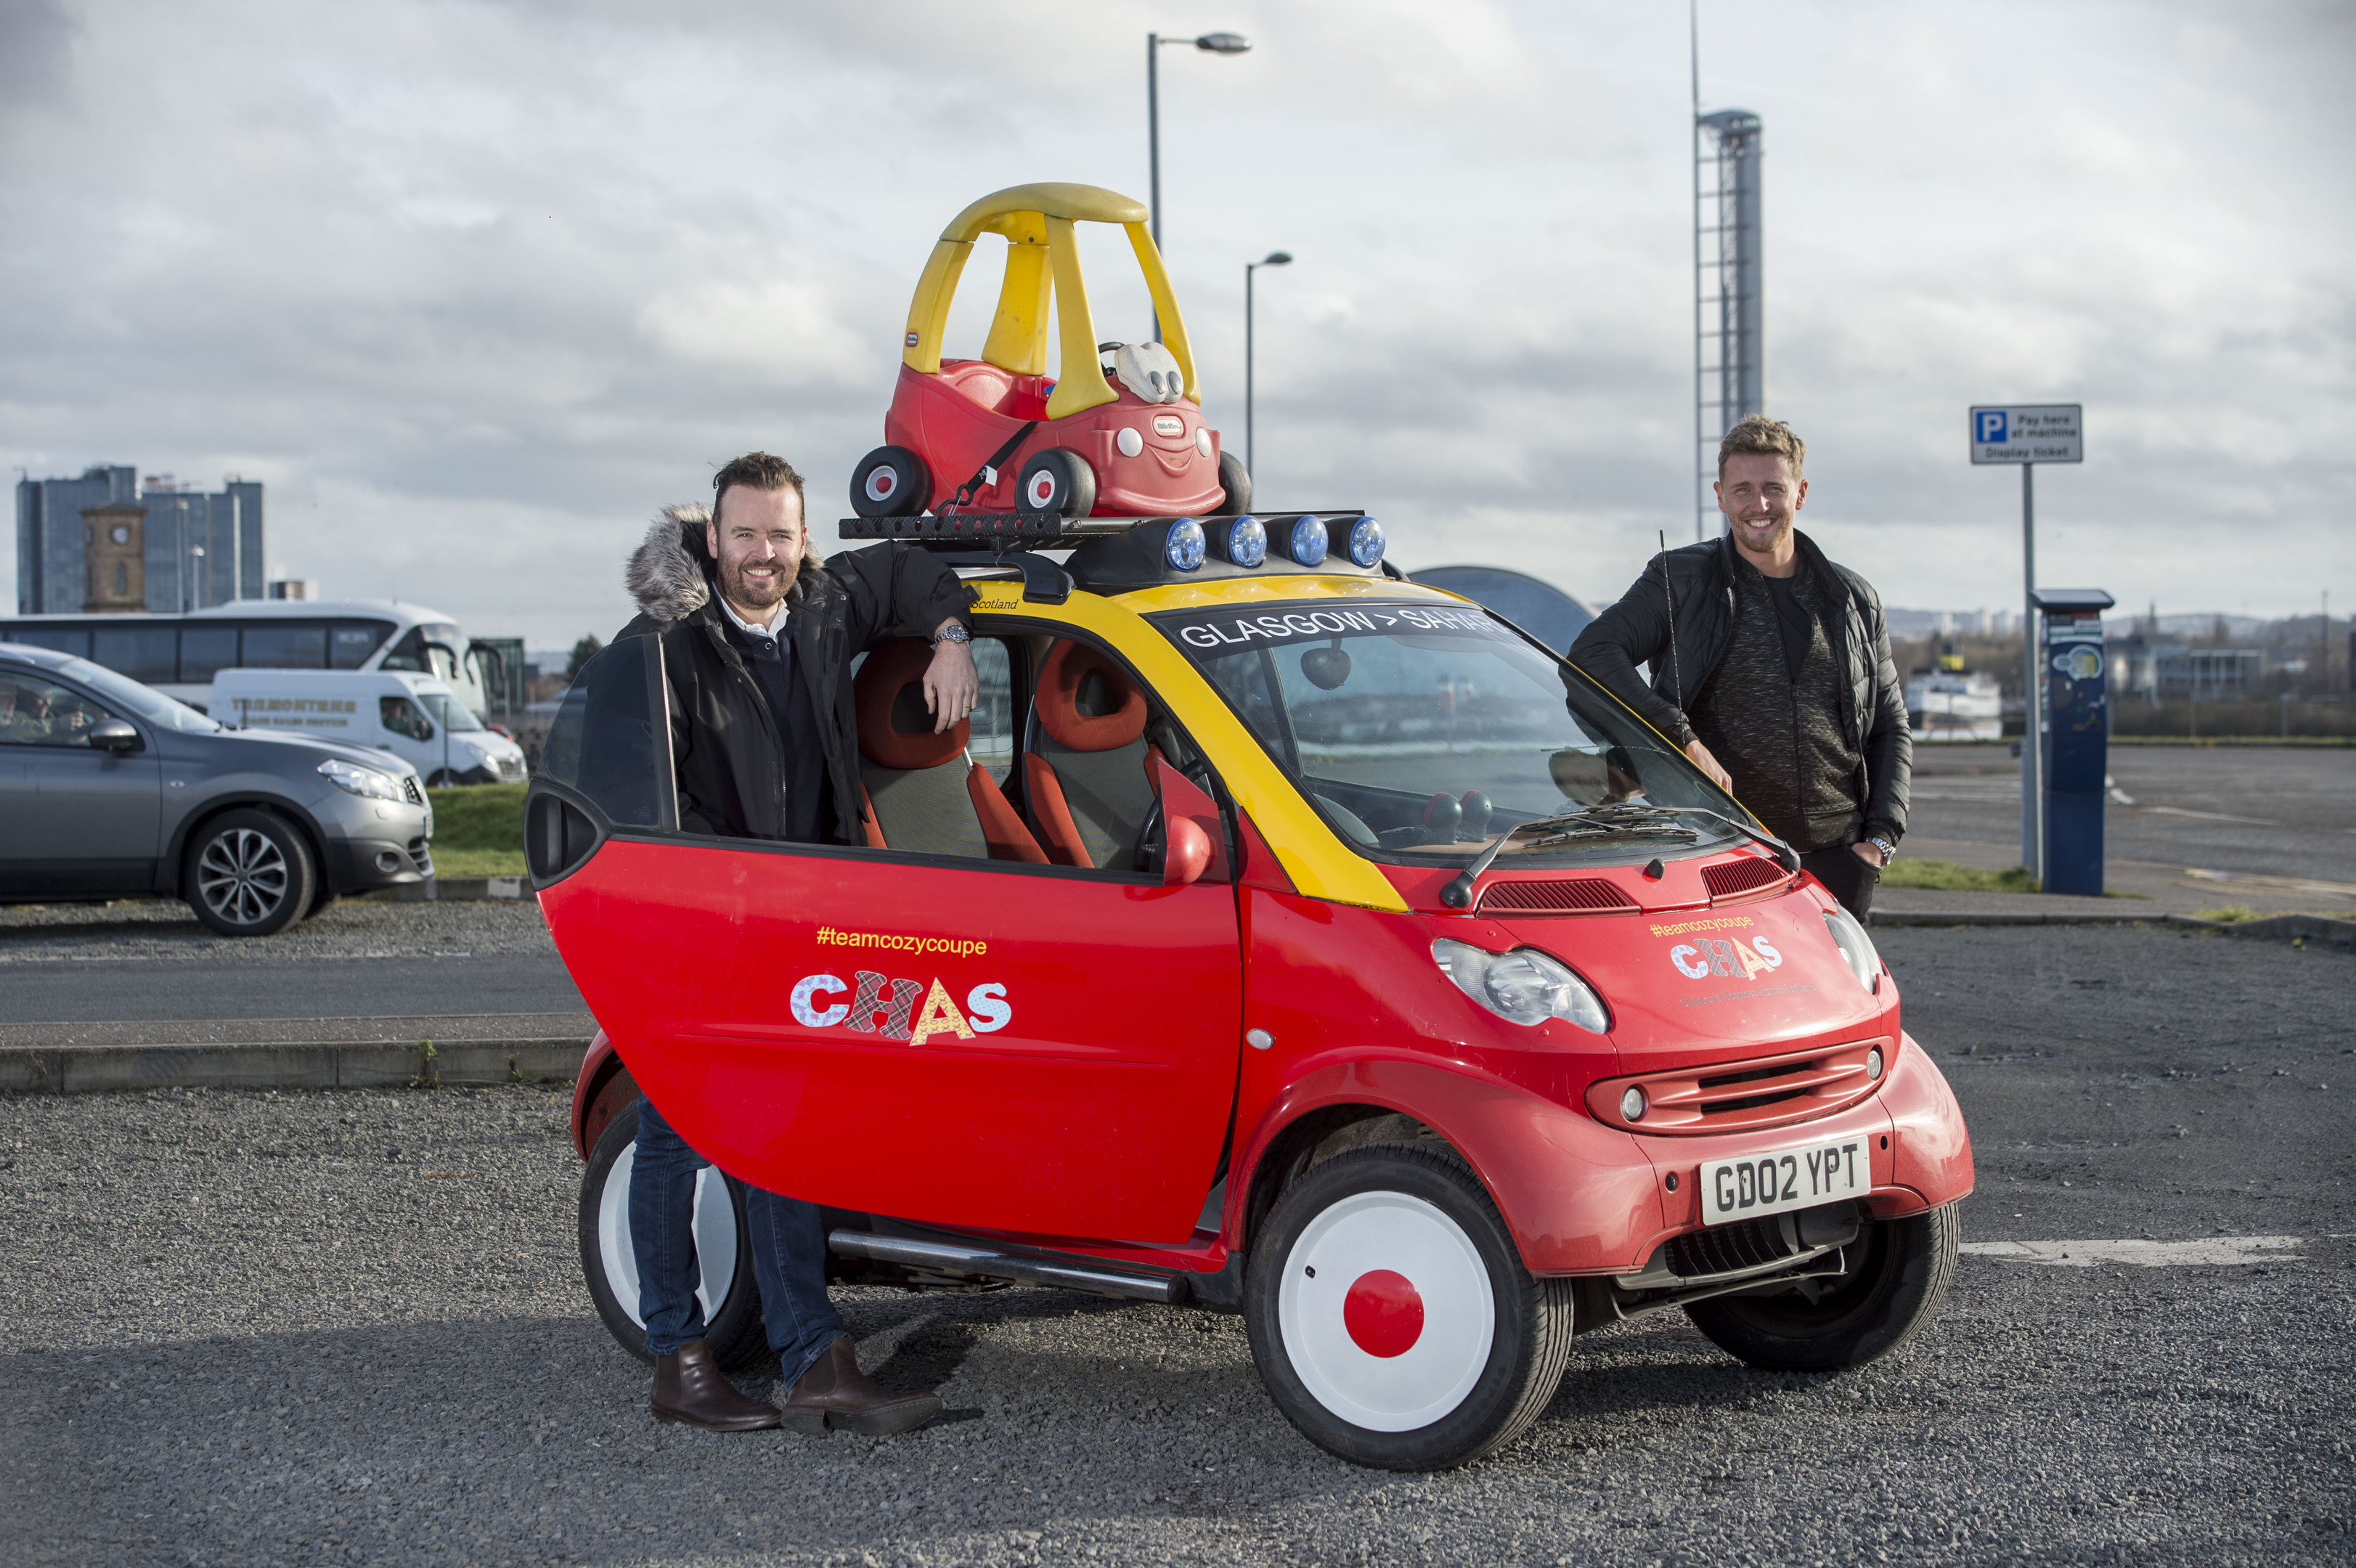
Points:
(1109, 555)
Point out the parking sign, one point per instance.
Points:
(2036, 432)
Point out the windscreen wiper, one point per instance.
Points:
(1626, 820)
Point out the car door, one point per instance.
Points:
(942, 1037)
(73, 820)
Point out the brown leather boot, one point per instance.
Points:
(690, 1389)
(834, 1393)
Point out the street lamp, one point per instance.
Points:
(198, 551)
(1273, 259)
(1209, 43)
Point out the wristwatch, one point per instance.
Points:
(1887, 847)
(954, 632)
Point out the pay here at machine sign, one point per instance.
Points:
(2034, 432)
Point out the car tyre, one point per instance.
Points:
(1903, 1274)
(249, 873)
(891, 482)
(1235, 485)
(732, 1324)
(1390, 1316)
(1059, 483)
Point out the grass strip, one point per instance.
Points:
(1946, 876)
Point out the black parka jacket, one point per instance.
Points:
(1699, 578)
(724, 742)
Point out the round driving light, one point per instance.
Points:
(1183, 546)
(1631, 1104)
(1307, 544)
(1873, 1065)
(1246, 541)
(1365, 543)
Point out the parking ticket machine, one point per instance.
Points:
(2076, 740)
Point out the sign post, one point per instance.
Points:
(2026, 435)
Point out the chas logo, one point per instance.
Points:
(879, 1005)
(1727, 957)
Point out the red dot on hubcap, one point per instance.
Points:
(1383, 1313)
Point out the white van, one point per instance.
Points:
(417, 718)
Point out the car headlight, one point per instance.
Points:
(353, 779)
(1524, 987)
(1856, 949)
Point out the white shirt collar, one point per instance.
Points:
(776, 628)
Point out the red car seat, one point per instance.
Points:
(916, 796)
(1007, 393)
(1090, 793)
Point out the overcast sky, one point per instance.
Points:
(475, 287)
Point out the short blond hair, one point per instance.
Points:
(1757, 435)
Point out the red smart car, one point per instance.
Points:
(1281, 938)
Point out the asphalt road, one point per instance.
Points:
(2277, 823)
(253, 1328)
(149, 959)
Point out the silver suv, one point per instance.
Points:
(110, 788)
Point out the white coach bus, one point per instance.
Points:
(180, 654)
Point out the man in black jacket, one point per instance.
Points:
(757, 636)
(1770, 667)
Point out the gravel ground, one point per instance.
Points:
(146, 958)
(308, 1328)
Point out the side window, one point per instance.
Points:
(205, 650)
(33, 713)
(403, 717)
(994, 733)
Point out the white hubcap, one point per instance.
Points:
(1385, 1311)
(715, 1229)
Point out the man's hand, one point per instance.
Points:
(1868, 851)
(1701, 756)
(951, 684)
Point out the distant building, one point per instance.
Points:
(292, 588)
(104, 542)
(2146, 667)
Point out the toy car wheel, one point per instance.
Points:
(248, 873)
(730, 1297)
(1058, 482)
(1903, 1271)
(1235, 483)
(1390, 1316)
(891, 482)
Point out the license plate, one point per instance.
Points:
(1785, 1180)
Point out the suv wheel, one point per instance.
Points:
(1392, 1317)
(1900, 1275)
(249, 873)
(725, 1287)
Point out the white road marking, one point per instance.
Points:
(2207, 1249)
(2210, 815)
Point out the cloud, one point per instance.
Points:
(475, 286)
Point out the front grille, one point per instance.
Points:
(1737, 1096)
(1724, 1249)
(1733, 878)
(409, 789)
(511, 769)
(1556, 895)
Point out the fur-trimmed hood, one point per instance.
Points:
(669, 575)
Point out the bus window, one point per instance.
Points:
(74, 640)
(275, 646)
(349, 643)
(204, 649)
(142, 652)
(433, 649)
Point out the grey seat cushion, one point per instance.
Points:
(1108, 796)
(926, 810)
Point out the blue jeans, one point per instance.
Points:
(789, 1242)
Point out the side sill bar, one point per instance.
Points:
(943, 1257)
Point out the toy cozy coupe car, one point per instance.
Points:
(1282, 937)
(1124, 439)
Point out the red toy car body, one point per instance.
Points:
(1264, 1022)
(1134, 441)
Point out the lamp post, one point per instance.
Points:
(1273, 259)
(1209, 43)
(198, 551)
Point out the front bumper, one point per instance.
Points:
(371, 843)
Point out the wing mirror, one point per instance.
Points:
(116, 736)
(1186, 854)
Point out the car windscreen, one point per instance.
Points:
(1420, 732)
(450, 712)
(146, 701)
